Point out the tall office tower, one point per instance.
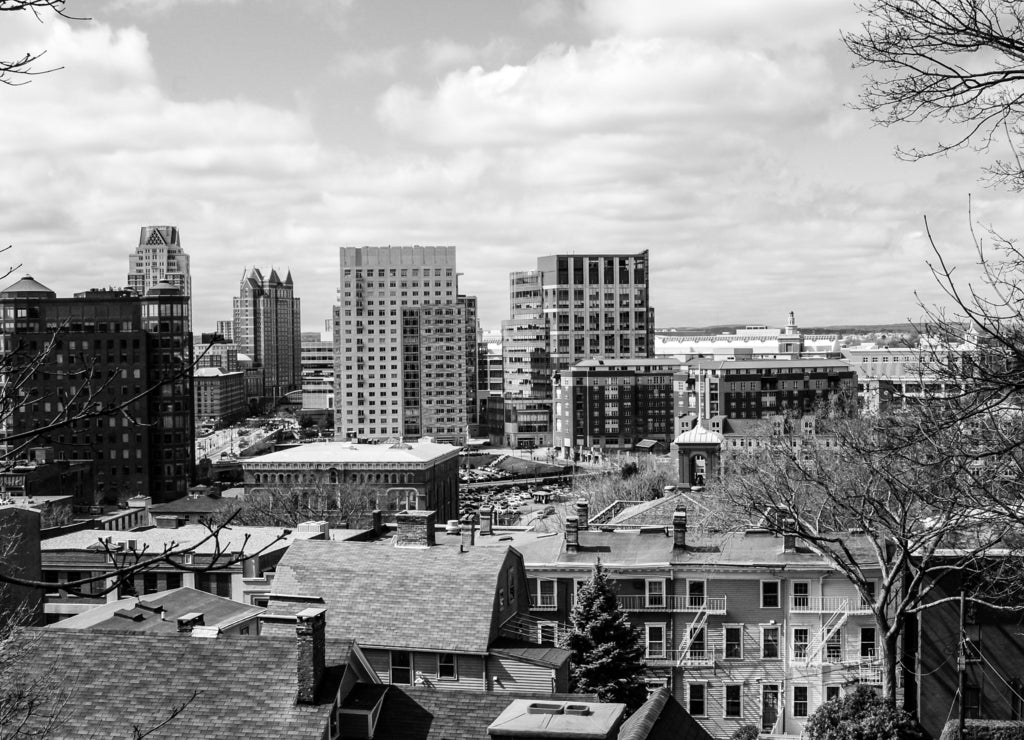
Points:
(159, 256)
(571, 308)
(106, 349)
(267, 329)
(227, 330)
(400, 355)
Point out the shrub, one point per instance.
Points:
(862, 715)
(746, 732)
(985, 729)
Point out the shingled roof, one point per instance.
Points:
(435, 598)
(427, 714)
(233, 687)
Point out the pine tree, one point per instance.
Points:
(607, 651)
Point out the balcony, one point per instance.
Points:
(715, 605)
(690, 658)
(827, 605)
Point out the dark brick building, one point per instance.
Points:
(111, 351)
(615, 403)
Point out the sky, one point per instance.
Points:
(718, 136)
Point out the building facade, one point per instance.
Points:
(116, 350)
(615, 404)
(158, 257)
(742, 627)
(220, 396)
(571, 308)
(267, 328)
(400, 345)
(413, 475)
(317, 371)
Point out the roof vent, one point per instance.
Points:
(580, 709)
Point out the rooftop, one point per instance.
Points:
(557, 719)
(433, 598)
(159, 612)
(229, 539)
(342, 453)
(233, 687)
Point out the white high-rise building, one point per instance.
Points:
(400, 345)
(159, 256)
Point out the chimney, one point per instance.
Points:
(583, 512)
(468, 533)
(679, 529)
(187, 621)
(377, 517)
(415, 528)
(788, 537)
(572, 533)
(311, 652)
(486, 521)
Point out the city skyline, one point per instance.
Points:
(720, 139)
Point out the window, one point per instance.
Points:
(769, 594)
(655, 640)
(401, 667)
(695, 593)
(769, 642)
(733, 700)
(733, 639)
(867, 642)
(698, 644)
(834, 647)
(799, 701)
(542, 594)
(801, 595)
(655, 592)
(447, 666)
(511, 578)
(972, 702)
(832, 692)
(801, 635)
(547, 632)
(697, 702)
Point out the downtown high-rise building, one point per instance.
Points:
(400, 335)
(105, 376)
(571, 308)
(267, 329)
(159, 256)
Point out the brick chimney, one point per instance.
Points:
(788, 538)
(467, 529)
(572, 533)
(377, 517)
(679, 529)
(583, 512)
(415, 528)
(311, 644)
(486, 521)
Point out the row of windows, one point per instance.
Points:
(833, 651)
(734, 699)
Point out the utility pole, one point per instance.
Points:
(961, 666)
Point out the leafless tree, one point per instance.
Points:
(20, 69)
(957, 62)
(895, 503)
(340, 505)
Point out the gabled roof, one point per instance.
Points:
(655, 512)
(234, 687)
(662, 718)
(435, 598)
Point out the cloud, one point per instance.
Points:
(383, 62)
(445, 54)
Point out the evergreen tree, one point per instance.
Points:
(607, 651)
